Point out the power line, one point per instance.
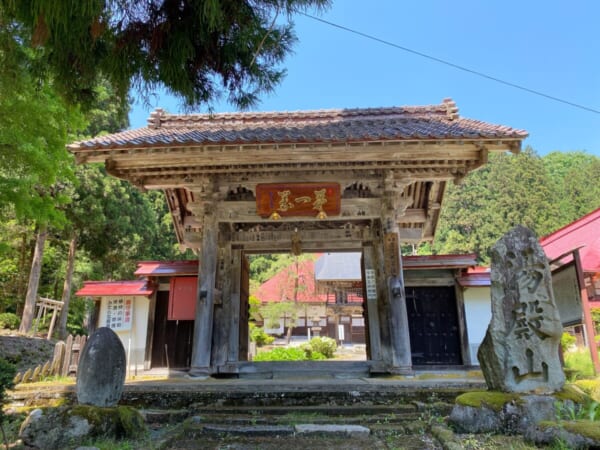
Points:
(451, 64)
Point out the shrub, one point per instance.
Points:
(282, 354)
(259, 336)
(580, 360)
(324, 345)
(10, 321)
(7, 374)
(289, 354)
(312, 354)
(567, 341)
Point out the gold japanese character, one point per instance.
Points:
(304, 199)
(284, 200)
(320, 199)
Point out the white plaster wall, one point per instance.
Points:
(478, 313)
(134, 340)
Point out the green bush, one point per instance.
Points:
(7, 375)
(312, 354)
(324, 345)
(282, 354)
(10, 321)
(579, 360)
(259, 336)
(567, 341)
(289, 354)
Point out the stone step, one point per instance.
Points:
(325, 410)
(197, 432)
(196, 427)
(282, 396)
(240, 430)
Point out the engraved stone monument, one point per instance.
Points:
(101, 370)
(520, 350)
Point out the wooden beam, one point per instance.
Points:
(405, 149)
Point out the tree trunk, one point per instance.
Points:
(66, 294)
(23, 263)
(34, 281)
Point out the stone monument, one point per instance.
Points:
(101, 369)
(520, 350)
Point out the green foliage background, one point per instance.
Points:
(542, 193)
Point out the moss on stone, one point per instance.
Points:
(123, 421)
(590, 387)
(492, 399)
(131, 421)
(586, 428)
(573, 393)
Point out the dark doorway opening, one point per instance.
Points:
(172, 339)
(433, 325)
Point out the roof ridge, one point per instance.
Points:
(575, 224)
(159, 117)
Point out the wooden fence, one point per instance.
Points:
(64, 362)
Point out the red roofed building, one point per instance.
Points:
(583, 234)
(325, 304)
(574, 254)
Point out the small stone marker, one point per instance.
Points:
(101, 370)
(520, 350)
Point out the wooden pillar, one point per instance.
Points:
(462, 324)
(203, 325)
(223, 306)
(372, 304)
(398, 320)
(150, 329)
(234, 327)
(393, 206)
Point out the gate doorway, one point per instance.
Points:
(290, 303)
(433, 325)
(172, 339)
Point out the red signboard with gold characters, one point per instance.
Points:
(275, 200)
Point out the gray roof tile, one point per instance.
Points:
(433, 122)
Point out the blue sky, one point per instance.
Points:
(551, 46)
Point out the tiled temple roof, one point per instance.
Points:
(432, 122)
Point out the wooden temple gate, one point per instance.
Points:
(365, 180)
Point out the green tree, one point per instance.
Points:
(34, 127)
(570, 173)
(541, 193)
(510, 190)
(272, 312)
(197, 49)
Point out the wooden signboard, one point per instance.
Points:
(298, 199)
(391, 254)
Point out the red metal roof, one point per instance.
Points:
(167, 268)
(427, 122)
(584, 233)
(109, 288)
(475, 277)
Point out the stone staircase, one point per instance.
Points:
(305, 413)
(315, 419)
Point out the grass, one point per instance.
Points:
(579, 361)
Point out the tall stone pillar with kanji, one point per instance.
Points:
(520, 350)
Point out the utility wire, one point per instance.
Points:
(451, 64)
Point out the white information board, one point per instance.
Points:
(371, 284)
(119, 314)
